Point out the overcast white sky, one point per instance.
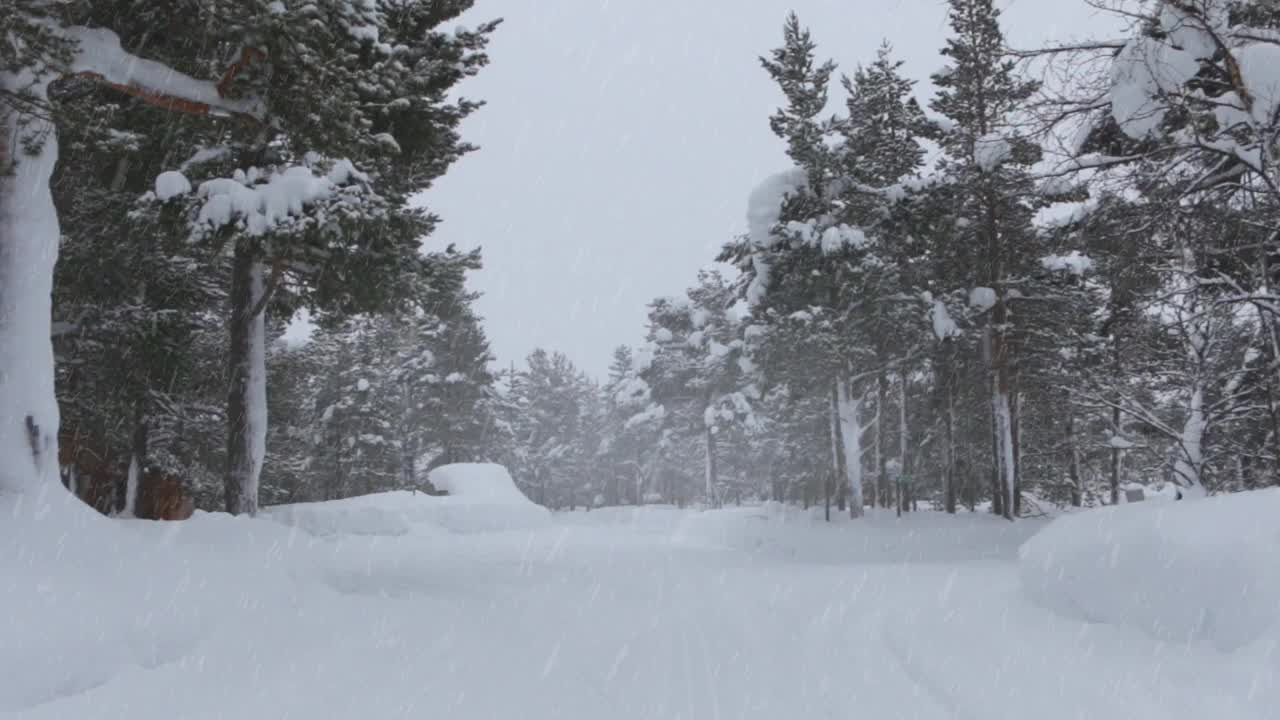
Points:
(621, 139)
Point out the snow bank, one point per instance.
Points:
(385, 514)
(91, 600)
(1186, 572)
(482, 498)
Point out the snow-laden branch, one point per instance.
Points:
(100, 56)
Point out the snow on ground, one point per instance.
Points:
(369, 608)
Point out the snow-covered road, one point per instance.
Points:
(656, 614)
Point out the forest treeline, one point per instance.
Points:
(1043, 283)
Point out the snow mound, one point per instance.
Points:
(1187, 572)
(477, 482)
(482, 498)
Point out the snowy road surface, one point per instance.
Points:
(617, 614)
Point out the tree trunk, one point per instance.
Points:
(1004, 460)
(137, 463)
(949, 473)
(1187, 468)
(1115, 457)
(881, 457)
(850, 408)
(997, 498)
(29, 238)
(132, 476)
(247, 394)
(1015, 436)
(833, 422)
(838, 459)
(1073, 462)
(827, 483)
(903, 435)
(711, 467)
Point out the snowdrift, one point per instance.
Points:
(1204, 571)
(481, 498)
(89, 599)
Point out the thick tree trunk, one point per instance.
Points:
(29, 238)
(1187, 468)
(247, 394)
(137, 462)
(997, 497)
(1005, 462)
(837, 447)
(850, 408)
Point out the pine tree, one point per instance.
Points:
(381, 131)
(45, 43)
(826, 249)
(987, 182)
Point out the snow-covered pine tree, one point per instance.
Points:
(986, 183)
(620, 449)
(130, 293)
(823, 247)
(548, 396)
(45, 43)
(344, 162)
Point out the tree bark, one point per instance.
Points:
(137, 461)
(997, 498)
(1015, 437)
(1004, 461)
(246, 396)
(1116, 424)
(711, 469)
(903, 434)
(1073, 462)
(838, 458)
(850, 407)
(949, 473)
(883, 481)
(1115, 458)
